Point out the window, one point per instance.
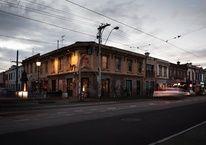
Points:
(139, 67)
(46, 67)
(31, 68)
(129, 64)
(35, 67)
(160, 70)
(60, 66)
(104, 62)
(118, 63)
(53, 65)
(165, 71)
(149, 71)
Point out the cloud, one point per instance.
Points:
(173, 18)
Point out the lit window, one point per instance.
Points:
(104, 62)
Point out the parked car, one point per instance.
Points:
(171, 92)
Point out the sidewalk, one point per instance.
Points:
(7, 105)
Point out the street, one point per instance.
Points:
(138, 123)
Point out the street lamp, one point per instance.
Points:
(99, 37)
(38, 64)
(115, 28)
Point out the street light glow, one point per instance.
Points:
(38, 63)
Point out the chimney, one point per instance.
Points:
(147, 54)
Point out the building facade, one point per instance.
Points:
(162, 74)
(178, 74)
(150, 75)
(10, 78)
(2, 80)
(73, 70)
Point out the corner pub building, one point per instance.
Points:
(62, 69)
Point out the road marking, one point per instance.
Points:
(151, 103)
(111, 108)
(69, 114)
(177, 134)
(41, 115)
(132, 106)
(22, 120)
(61, 113)
(93, 109)
(88, 112)
(79, 110)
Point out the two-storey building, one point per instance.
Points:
(10, 78)
(74, 69)
(178, 74)
(162, 74)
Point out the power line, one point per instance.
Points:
(59, 10)
(132, 27)
(110, 18)
(43, 22)
(34, 10)
(24, 39)
(196, 30)
(76, 30)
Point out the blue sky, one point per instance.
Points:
(164, 19)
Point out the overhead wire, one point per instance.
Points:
(25, 39)
(43, 22)
(132, 27)
(43, 12)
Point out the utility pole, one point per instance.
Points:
(99, 37)
(57, 44)
(17, 64)
(62, 39)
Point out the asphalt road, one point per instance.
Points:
(120, 124)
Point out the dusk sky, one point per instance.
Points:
(164, 19)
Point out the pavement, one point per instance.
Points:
(131, 122)
(112, 127)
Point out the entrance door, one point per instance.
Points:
(105, 87)
(138, 88)
(129, 87)
(85, 87)
(69, 87)
(53, 85)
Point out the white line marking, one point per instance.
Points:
(88, 112)
(21, 120)
(151, 103)
(93, 109)
(79, 110)
(61, 112)
(111, 108)
(68, 114)
(132, 106)
(177, 134)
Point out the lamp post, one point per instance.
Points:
(99, 37)
(115, 28)
(38, 64)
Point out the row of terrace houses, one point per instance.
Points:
(73, 69)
